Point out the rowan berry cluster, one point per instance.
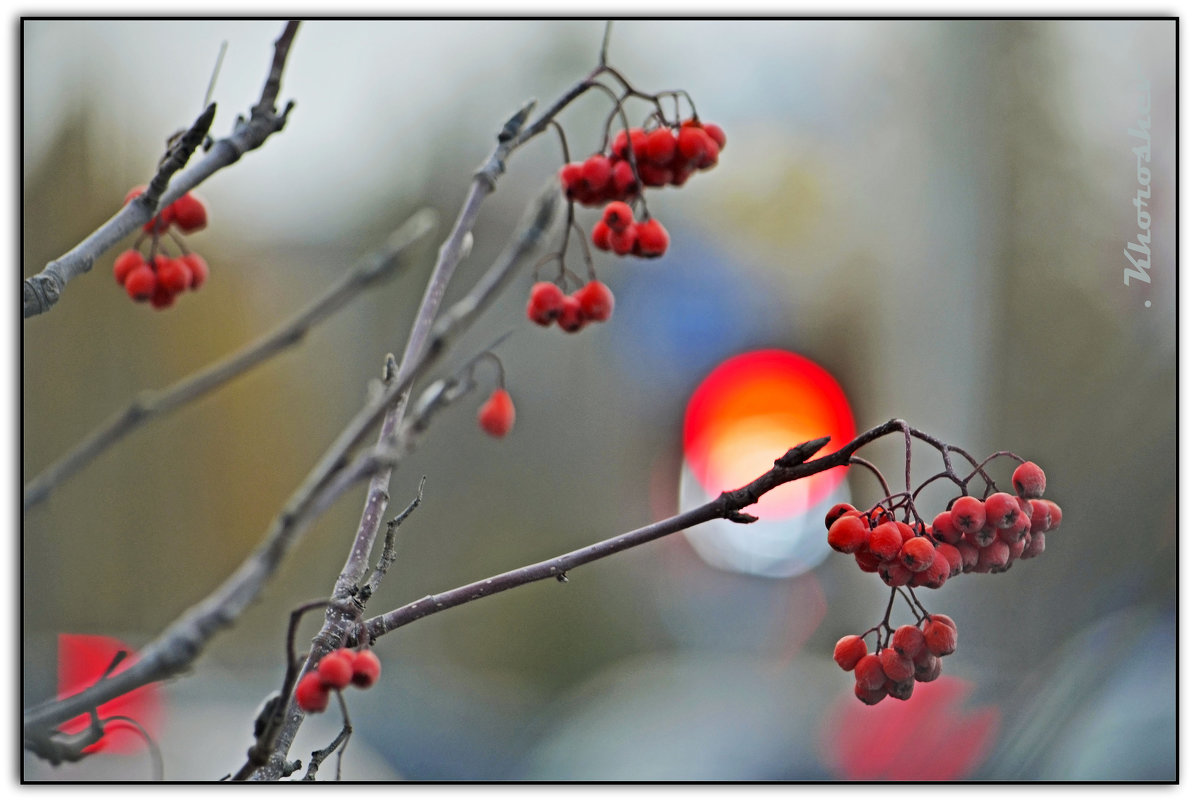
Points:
(160, 277)
(912, 654)
(336, 671)
(973, 535)
(592, 303)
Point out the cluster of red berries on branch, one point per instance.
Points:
(336, 671)
(973, 535)
(160, 277)
(913, 653)
(591, 303)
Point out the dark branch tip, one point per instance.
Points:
(801, 453)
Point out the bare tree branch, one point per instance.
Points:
(40, 292)
(149, 405)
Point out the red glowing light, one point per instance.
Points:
(82, 661)
(750, 410)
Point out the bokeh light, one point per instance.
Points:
(746, 413)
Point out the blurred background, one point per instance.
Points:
(933, 212)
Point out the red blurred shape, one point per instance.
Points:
(82, 660)
(926, 738)
(749, 410)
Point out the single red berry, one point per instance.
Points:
(836, 511)
(968, 514)
(716, 132)
(140, 283)
(189, 213)
(943, 619)
(1016, 549)
(198, 269)
(571, 176)
(867, 561)
(496, 415)
(917, 553)
(936, 573)
(125, 263)
(953, 556)
(907, 641)
(869, 671)
(172, 274)
(617, 216)
(636, 138)
(571, 316)
(1056, 514)
(335, 669)
(597, 171)
(1016, 530)
(660, 146)
(680, 172)
(982, 536)
(885, 540)
(652, 239)
(901, 690)
(939, 638)
(162, 297)
(311, 693)
(623, 242)
(595, 301)
(601, 234)
(1035, 546)
(869, 696)
(1029, 480)
(928, 667)
(546, 301)
(945, 530)
(653, 175)
(849, 651)
(623, 183)
(366, 669)
(695, 145)
(906, 531)
(895, 573)
(994, 557)
(969, 554)
(896, 666)
(1000, 509)
(848, 534)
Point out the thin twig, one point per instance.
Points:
(40, 292)
(389, 550)
(340, 742)
(150, 405)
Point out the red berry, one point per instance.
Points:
(895, 573)
(869, 672)
(885, 541)
(901, 690)
(981, 537)
(849, 651)
(601, 235)
(311, 694)
(595, 301)
(623, 242)
(943, 619)
(869, 696)
(496, 415)
(695, 145)
(969, 554)
(652, 239)
(623, 183)
(617, 216)
(366, 669)
(162, 298)
(944, 529)
(936, 573)
(189, 213)
(140, 283)
(836, 511)
(896, 666)
(994, 557)
(546, 301)
(660, 146)
(571, 176)
(1000, 509)
(716, 132)
(867, 561)
(571, 316)
(938, 637)
(1029, 480)
(1035, 546)
(172, 274)
(953, 556)
(596, 172)
(928, 667)
(636, 139)
(125, 263)
(653, 175)
(848, 534)
(968, 514)
(1056, 515)
(198, 269)
(335, 669)
(917, 553)
(907, 641)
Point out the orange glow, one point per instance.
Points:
(750, 410)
